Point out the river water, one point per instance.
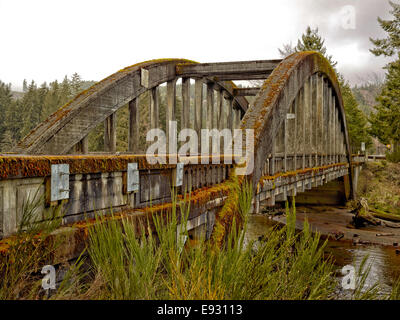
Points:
(384, 262)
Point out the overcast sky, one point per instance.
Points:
(45, 40)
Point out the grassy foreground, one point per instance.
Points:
(124, 264)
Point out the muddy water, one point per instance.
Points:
(384, 262)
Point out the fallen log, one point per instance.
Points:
(385, 215)
(365, 215)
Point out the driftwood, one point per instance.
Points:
(364, 215)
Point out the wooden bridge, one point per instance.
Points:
(301, 145)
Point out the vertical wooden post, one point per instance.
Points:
(326, 122)
(221, 111)
(334, 131)
(198, 108)
(237, 117)
(170, 115)
(319, 120)
(312, 119)
(134, 121)
(82, 146)
(306, 120)
(331, 129)
(154, 112)
(110, 133)
(295, 140)
(210, 106)
(285, 142)
(273, 159)
(198, 104)
(185, 113)
(85, 145)
(230, 115)
(338, 129)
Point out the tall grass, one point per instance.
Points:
(29, 250)
(154, 263)
(154, 266)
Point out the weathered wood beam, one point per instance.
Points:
(306, 120)
(221, 111)
(170, 115)
(210, 105)
(198, 105)
(238, 70)
(110, 134)
(230, 114)
(185, 113)
(319, 119)
(154, 112)
(134, 122)
(244, 92)
(82, 146)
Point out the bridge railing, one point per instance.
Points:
(95, 184)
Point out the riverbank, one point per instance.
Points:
(382, 258)
(335, 223)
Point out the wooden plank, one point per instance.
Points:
(285, 143)
(134, 123)
(110, 134)
(245, 92)
(238, 70)
(210, 105)
(221, 111)
(230, 115)
(198, 104)
(185, 113)
(295, 133)
(154, 111)
(319, 120)
(170, 116)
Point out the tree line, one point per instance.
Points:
(18, 116)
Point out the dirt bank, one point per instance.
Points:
(334, 222)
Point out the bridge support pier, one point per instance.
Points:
(335, 192)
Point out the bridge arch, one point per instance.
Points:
(69, 125)
(298, 119)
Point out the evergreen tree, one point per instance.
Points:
(24, 86)
(76, 84)
(65, 91)
(31, 108)
(5, 102)
(389, 46)
(386, 120)
(357, 123)
(312, 41)
(7, 141)
(52, 100)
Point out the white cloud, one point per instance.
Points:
(46, 39)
